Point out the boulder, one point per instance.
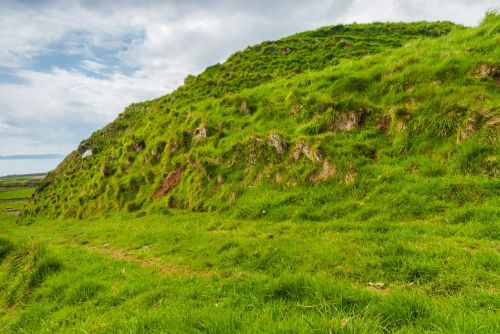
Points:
(86, 154)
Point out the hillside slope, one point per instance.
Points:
(332, 123)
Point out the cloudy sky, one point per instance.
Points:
(69, 67)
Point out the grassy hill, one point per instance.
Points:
(407, 132)
(343, 180)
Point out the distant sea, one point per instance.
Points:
(25, 165)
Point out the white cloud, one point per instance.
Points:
(92, 66)
(128, 51)
(64, 106)
(467, 12)
(4, 127)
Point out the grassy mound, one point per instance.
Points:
(339, 122)
(347, 181)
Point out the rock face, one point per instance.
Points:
(347, 121)
(302, 148)
(88, 153)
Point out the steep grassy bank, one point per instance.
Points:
(408, 132)
(201, 272)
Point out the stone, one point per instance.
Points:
(302, 148)
(376, 285)
(88, 153)
(201, 132)
(278, 143)
(345, 121)
(326, 172)
(286, 52)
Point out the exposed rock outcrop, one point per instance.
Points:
(277, 142)
(200, 133)
(326, 172)
(489, 71)
(348, 120)
(86, 154)
(302, 148)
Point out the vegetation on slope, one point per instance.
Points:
(404, 133)
(303, 52)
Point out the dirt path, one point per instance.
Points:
(152, 263)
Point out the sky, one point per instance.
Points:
(67, 68)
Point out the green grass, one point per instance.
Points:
(22, 193)
(207, 273)
(302, 53)
(12, 205)
(15, 192)
(20, 180)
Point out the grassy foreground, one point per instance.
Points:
(212, 274)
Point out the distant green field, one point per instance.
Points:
(20, 180)
(16, 193)
(12, 205)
